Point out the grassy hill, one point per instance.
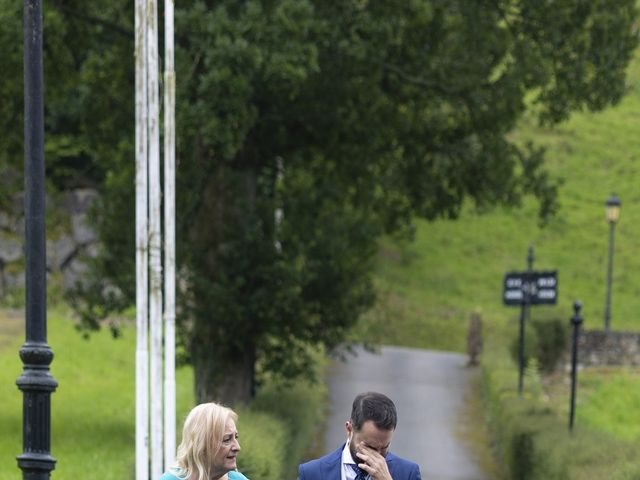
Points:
(430, 286)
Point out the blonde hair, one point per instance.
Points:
(202, 435)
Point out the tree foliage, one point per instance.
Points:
(349, 116)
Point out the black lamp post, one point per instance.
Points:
(36, 382)
(613, 214)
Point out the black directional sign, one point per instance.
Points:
(540, 288)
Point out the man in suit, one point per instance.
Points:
(365, 455)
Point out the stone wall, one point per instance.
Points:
(597, 348)
(70, 239)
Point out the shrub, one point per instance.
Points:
(551, 341)
(299, 408)
(521, 455)
(264, 442)
(533, 439)
(546, 339)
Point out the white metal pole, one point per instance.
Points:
(169, 240)
(155, 298)
(142, 339)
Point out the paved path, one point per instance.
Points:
(428, 389)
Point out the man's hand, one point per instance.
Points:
(372, 462)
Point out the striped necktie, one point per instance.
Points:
(360, 473)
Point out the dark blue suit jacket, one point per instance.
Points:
(329, 468)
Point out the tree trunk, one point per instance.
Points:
(224, 367)
(227, 379)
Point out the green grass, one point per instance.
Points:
(431, 285)
(93, 409)
(607, 400)
(613, 407)
(532, 431)
(456, 266)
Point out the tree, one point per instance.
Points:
(378, 111)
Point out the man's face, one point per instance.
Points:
(371, 436)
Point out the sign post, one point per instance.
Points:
(526, 289)
(523, 311)
(542, 288)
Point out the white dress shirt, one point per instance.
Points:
(348, 473)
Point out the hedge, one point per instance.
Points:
(533, 440)
(281, 425)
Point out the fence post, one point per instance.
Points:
(576, 320)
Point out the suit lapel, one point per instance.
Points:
(332, 466)
(391, 465)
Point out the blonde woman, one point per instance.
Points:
(209, 446)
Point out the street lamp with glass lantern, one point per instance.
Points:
(613, 214)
